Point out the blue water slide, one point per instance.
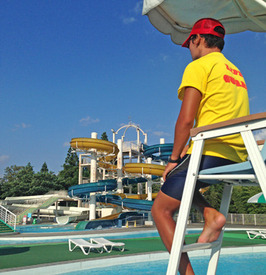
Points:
(126, 202)
(107, 223)
(137, 204)
(84, 190)
(158, 151)
(128, 181)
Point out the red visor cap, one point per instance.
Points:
(204, 26)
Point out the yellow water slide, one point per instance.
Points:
(103, 146)
(144, 168)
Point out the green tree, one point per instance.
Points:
(240, 196)
(214, 194)
(239, 202)
(104, 136)
(69, 175)
(44, 182)
(44, 168)
(17, 181)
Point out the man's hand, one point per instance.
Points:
(169, 167)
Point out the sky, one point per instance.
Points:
(69, 68)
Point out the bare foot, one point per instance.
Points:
(214, 222)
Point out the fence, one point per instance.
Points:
(246, 219)
(8, 217)
(237, 219)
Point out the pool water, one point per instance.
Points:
(51, 228)
(244, 264)
(45, 228)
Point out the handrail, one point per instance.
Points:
(8, 217)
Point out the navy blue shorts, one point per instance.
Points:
(175, 180)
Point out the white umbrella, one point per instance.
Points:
(176, 17)
(258, 198)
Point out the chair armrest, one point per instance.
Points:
(240, 120)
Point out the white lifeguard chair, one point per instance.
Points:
(251, 172)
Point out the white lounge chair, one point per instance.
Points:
(252, 234)
(84, 245)
(108, 245)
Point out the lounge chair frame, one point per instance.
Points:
(84, 245)
(252, 172)
(253, 234)
(108, 245)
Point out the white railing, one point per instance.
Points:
(246, 219)
(130, 145)
(8, 217)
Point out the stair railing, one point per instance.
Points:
(8, 217)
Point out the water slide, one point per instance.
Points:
(118, 219)
(126, 202)
(135, 201)
(41, 202)
(158, 151)
(144, 168)
(132, 201)
(103, 146)
(84, 190)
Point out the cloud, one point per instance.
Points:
(138, 7)
(253, 98)
(135, 11)
(164, 57)
(129, 20)
(88, 120)
(4, 158)
(260, 135)
(21, 126)
(161, 134)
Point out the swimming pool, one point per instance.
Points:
(244, 264)
(112, 235)
(45, 228)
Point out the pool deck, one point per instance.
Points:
(53, 257)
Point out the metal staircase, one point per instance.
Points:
(7, 220)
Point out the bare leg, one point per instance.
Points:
(214, 220)
(163, 209)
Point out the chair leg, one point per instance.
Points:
(100, 250)
(84, 251)
(215, 253)
(108, 250)
(70, 246)
(185, 206)
(256, 159)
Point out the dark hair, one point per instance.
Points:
(213, 41)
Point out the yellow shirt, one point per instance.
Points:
(224, 97)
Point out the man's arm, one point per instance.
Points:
(184, 123)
